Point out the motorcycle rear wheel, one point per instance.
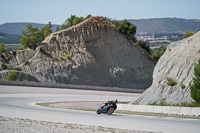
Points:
(110, 111)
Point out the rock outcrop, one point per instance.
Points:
(177, 63)
(93, 52)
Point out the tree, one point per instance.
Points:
(2, 48)
(88, 16)
(195, 87)
(58, 28)
(188, 34)
(30, 36)
(126, 28)
(73, 20)
(46, 30)
(63, 26)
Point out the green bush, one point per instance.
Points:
(195, 87)
(48, 53)
(158, 53)
(126, 28)
(61, 57)
(64, 50)
(27, 62)
(170, 49)
(163, 102)
(182, 86)
(188, 34)
(171, 82)
(193, 104)
(68, 56)
(2, 48)
(21, 47)
(11, 76)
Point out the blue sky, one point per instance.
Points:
(57, 11)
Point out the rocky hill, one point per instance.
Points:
(159, 25)
(177, 63)
(93, 52)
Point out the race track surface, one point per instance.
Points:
(22, 106)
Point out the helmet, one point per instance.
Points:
(116, 100)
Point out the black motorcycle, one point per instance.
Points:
(108, 109)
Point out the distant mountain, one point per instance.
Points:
(158, 25)
(9, 38)
(16, 28)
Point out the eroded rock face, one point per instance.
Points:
(93, 52)
(176, 63)
(22, 76)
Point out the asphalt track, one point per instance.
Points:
(22, 106)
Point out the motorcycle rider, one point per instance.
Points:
(111, 102)
(108, 107)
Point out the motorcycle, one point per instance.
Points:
(108, 109)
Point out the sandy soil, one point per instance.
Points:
(15, 125)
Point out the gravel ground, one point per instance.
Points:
(15, 125)
(80, 105)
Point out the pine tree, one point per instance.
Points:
(195, 87)
(29, 36)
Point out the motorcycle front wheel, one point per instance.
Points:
(99, 111)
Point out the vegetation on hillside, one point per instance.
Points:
(188, 34)
(144, 45)
(31, 35)
(2, 48)
(195, 86)
(12, 76)
(73, 20)
(158, 53)
(127, 28)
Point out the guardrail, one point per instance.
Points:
(70, 86)
(186, 111)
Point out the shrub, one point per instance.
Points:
(193, 104)
(68, 56)
(171, 82)
(195, 87)
(27, 62)
(170, 49)
(163, 102)
(182, 86)
(11, 76)
(188, 34)
(48, 53)
(21, 47)
(64, 50)
(2, 48)
(61, 57)
(158, 53)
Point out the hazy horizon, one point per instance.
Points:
(57, 12)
